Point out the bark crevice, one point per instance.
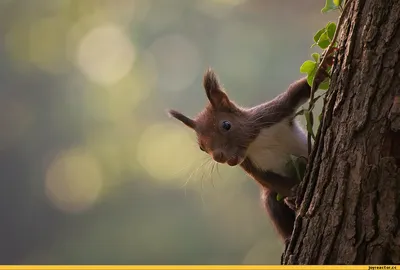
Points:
(349, 200)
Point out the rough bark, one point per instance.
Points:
(350, 197)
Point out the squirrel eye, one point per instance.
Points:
(226, 125)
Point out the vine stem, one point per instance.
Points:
(321, 65)
(315, 100)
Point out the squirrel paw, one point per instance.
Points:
(291, 202)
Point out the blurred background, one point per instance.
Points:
(92, 171)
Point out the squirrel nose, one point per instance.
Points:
(218, 156)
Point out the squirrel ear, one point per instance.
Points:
(214, 91)
(184, 119)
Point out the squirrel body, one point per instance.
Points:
(260, 139)
(271, 149)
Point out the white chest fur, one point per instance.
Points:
(272, 148)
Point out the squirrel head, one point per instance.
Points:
(222, 127)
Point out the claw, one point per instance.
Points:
(291, 202)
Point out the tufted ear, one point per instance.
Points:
(214, 90)
(184, 119)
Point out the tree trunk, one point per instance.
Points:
(350, 196)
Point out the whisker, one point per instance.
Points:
(194, 172)
(219, 174)
(182, 169)
(214, 164)
(191, 175)
(207, 163)
(203, 203)
(201, 166)
(210, 168)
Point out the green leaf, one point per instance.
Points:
(308, 66)
(329, 6)
(310, 79)
(337, 2)
(324, 41)
(318, 34)
(324, 44)
(315, 56)
(324, 85)
(330, 29)
(279, 197)
(311, 75)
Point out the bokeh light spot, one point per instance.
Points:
(105, 54)
(164, 151)
(74, 181)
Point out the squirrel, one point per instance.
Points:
(260, 140)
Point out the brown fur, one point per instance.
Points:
(246, 123)
(230, 146)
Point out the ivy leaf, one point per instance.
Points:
(337, 2)
(311, 75)
(324, 44)
(310, 79)
(329, 6)
(324, 85)
(324, 41)
(318, 34)
(330, 30)
(308, 66)
(315, 56)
